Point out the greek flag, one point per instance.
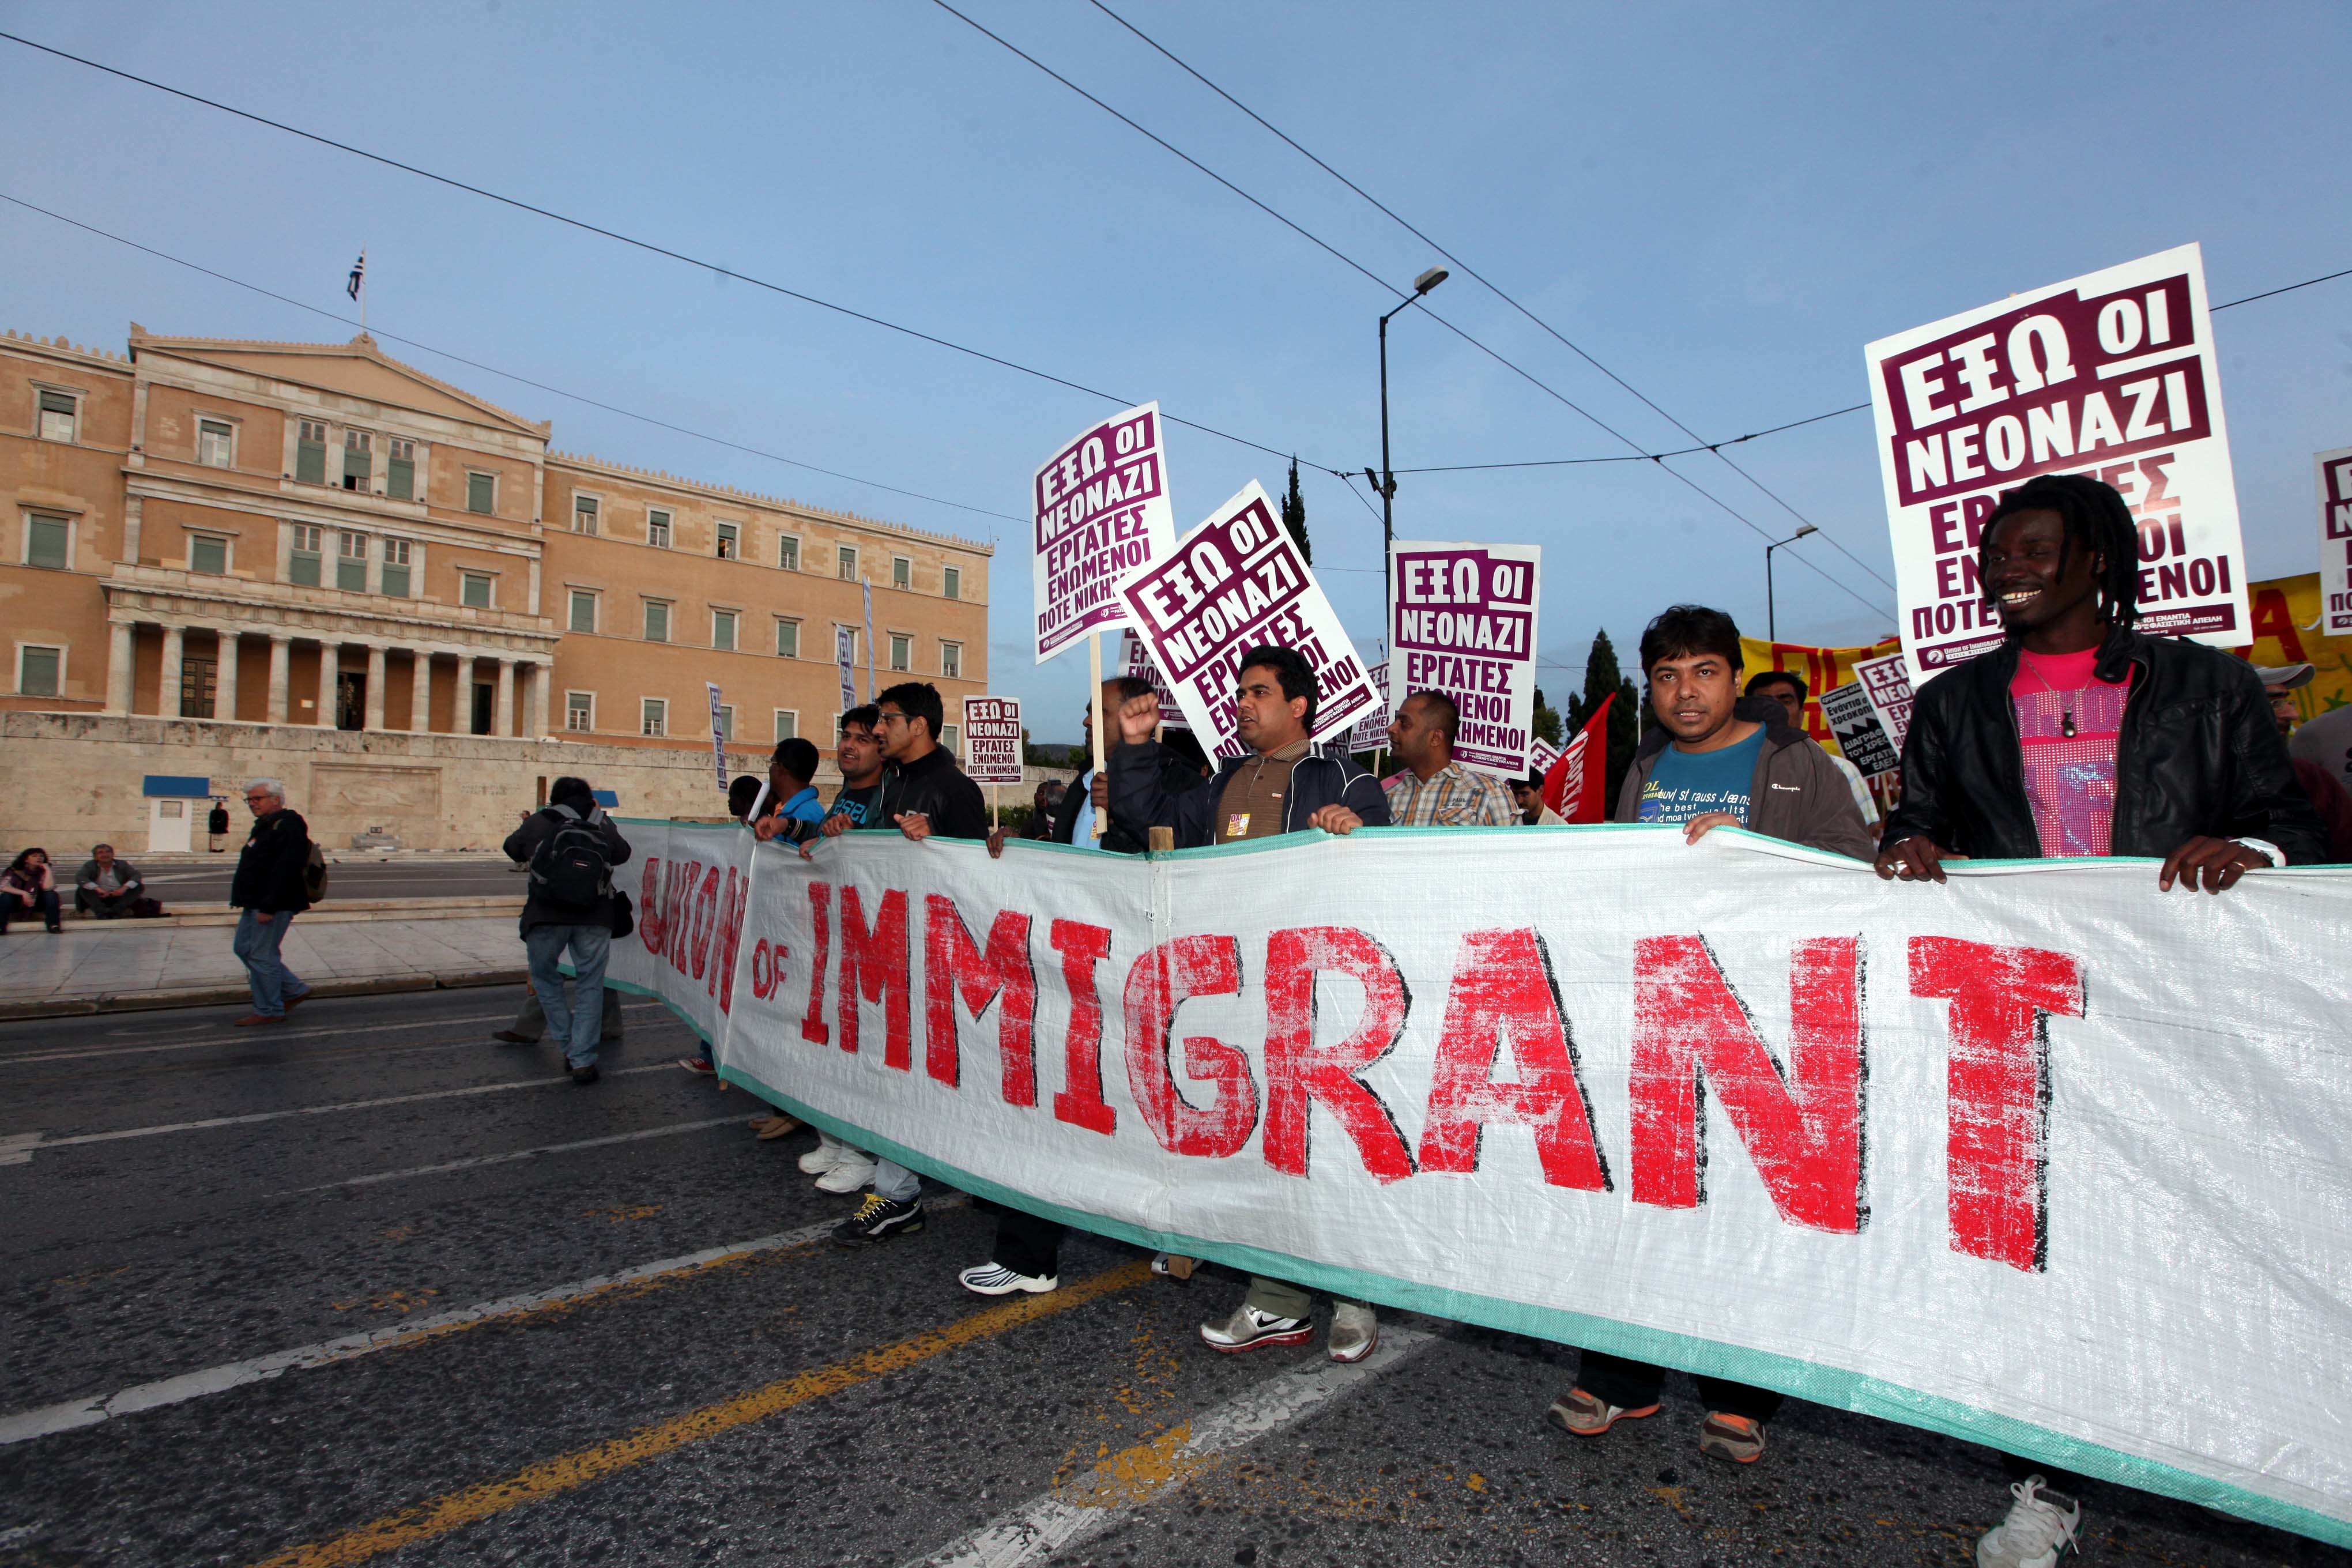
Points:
(358, 275)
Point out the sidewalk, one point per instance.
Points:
(150, 964)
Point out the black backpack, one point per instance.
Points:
(569, 869)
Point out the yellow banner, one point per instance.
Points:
(1821, 668)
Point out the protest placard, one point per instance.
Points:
(845, 653)
(2112, 374)
(717, 738)
(1234, 583)
(1100, 509)
(1463, 622)
(1541, 754)
(1854, 723)
(991, 739)
(1888, 681)
(2336, 537)
(1136, 660)
(1371, 730)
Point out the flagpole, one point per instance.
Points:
(362, 288)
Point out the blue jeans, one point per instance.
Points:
(581, 1026)
(256, 944)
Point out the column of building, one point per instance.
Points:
(281, 663)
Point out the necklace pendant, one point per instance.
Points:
(2066, 724)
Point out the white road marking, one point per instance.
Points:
(476, 1160)
(27, 1425)
(11, 1153)
(199, 1042)
(1051, 1522)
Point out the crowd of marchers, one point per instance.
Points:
(2078, 735)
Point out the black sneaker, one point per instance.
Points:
(585, 1075)
(878, 1219)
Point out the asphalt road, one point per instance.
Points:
(785, 1403)
(204, 885)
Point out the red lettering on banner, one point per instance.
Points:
(955, 967)
(677, 910)
(706, 921)
(1298, 1070)
(651, 926)
(731, 932)
(1802, 1124)
(1997, 1080)
(1503, 986)
(1163, 981)
(874, 965)
(1080, 1102)
(813, 1028)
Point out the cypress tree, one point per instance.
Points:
(1294, 514)
(1602, 678)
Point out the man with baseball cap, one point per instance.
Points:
(2330, 795)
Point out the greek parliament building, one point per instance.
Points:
(225, 559)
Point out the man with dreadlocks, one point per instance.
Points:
(2079, 735)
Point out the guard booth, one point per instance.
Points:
(176, 807)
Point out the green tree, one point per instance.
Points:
(1602, 679)
(1547, 720)
(1294, 514)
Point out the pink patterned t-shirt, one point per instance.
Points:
(2070, 779)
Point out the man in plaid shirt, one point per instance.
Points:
(1436, 791)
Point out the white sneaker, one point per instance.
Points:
(995, 1279)
(850, 1174)
(1355, 1333)
(819, 1160)
(2041, 1526)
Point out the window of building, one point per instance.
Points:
(788, 639)
(58, 411)
(303, 562)
(48, 541)
(723, 630)
(583, 515)
(40, 671)
(729, 542)
(788, 723)
(658, 530)
(208, 554)
(654, 717)
(847, 563)
(902, 651)
(951, 660)
(726, 728)
(584, 610)
(351, 563)
(396, 568)
(216, 438)
(310, 452)
(948, 739)
(788, 553)
(902, 572)
(359, 460)
(951, 581)
(481, 492)
(580, 710)
(474, 588)
(400, 470)
(656, 620)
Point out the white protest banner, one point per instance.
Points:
(1136, 660)
(991, 739)
(717, 737)
(1464, 624)
(2112, 374)
(1236, 582)
(1861, 739)
(845, 652)
(2097, 1178)
(1888, 681)
(1101, 510)
(1371, 730)
(2336, 541)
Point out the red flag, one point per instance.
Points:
(1573, 786)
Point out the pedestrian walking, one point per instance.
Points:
(1434, 790)
(28, 888)
(571, 848)
(106, 886)
(270, 887)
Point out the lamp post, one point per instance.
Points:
(1771, 620)
(1386, 481)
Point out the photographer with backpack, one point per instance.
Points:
(571, 848)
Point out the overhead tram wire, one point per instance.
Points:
(1494, 288)
(644, 245)
(1383, 284)
(494, 370)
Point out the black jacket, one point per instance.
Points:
(536, 830)
(1147, 792)
(269, 868)
(940, 790)
(2198, 755)
(1115, 839)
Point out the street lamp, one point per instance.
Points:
(1386, 482)
(1771, 621)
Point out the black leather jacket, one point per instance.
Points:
(2198, 755)
(1147, 792)
(935, 786)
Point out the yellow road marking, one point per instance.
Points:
(551, 1478)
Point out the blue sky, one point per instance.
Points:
(1722, 204)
